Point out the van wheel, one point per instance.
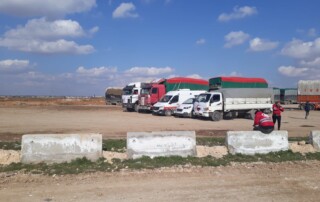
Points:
(167, 113)
(192, 115)
(216, 116)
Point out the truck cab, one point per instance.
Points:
(209, 104)
(169, 102)
(130, 96)
(150, 95)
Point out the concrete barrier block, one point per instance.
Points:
(164, 143)
(314, 138)
(57, 148)
(255, 142)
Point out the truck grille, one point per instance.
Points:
(179, 110)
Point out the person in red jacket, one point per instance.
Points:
(263, 122)
(276, 116)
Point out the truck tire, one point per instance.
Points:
(252, 114)
(267, 111)
(216, 116)
(301, 106)
(312, 107)
(168, 113)
(136, 107)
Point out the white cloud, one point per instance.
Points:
(149, 71)
(312, 63)
(234, 73)
(42, 36)
(302, 50)
(312, 32)
(96, 71)
(43, 29)
(235, 38)
(194, 76)
(238, 13)
(125, 10)
(291, 71)
(46, 47)
(258, 44)
(48, 8)
(14, 65)
(201, 41)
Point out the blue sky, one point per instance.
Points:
(81, 47)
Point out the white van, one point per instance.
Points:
(185, 109)
(169, 102)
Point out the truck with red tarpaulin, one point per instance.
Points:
(151, 93)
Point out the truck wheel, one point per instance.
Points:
(167, 113)
(136, 107)
(312, 107)
(252, 114)
(216, 116)
(267, 111)
(301, 106)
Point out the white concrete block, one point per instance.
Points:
(57, 148)
(314, 138)
(255, 142)
(164, 143)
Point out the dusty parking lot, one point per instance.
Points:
(291, 181)
(112, 122)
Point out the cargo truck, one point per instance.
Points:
(309, 90)
(153, 92)
(276, 94)
(288, 95)
(231, 97)
(113, 96)
(130, 96)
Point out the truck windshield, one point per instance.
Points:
(166, 98)
(127, 92)
(204, 98)
(189, 101)
(145, 90)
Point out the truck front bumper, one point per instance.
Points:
(202, 114)
(145, 107)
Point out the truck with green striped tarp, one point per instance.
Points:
(237, 82)
(231, 97)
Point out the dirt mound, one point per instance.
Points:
(216, 151)
(9, 156)
(301, 147)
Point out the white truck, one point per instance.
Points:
(130, 96)
(169, 102)
(233, 102)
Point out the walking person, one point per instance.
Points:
(263, 122)
(276, 115)
(307, 109)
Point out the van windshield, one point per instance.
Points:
(204, 98)
(166, 98)
(189, 101)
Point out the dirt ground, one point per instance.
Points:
(291, 181)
